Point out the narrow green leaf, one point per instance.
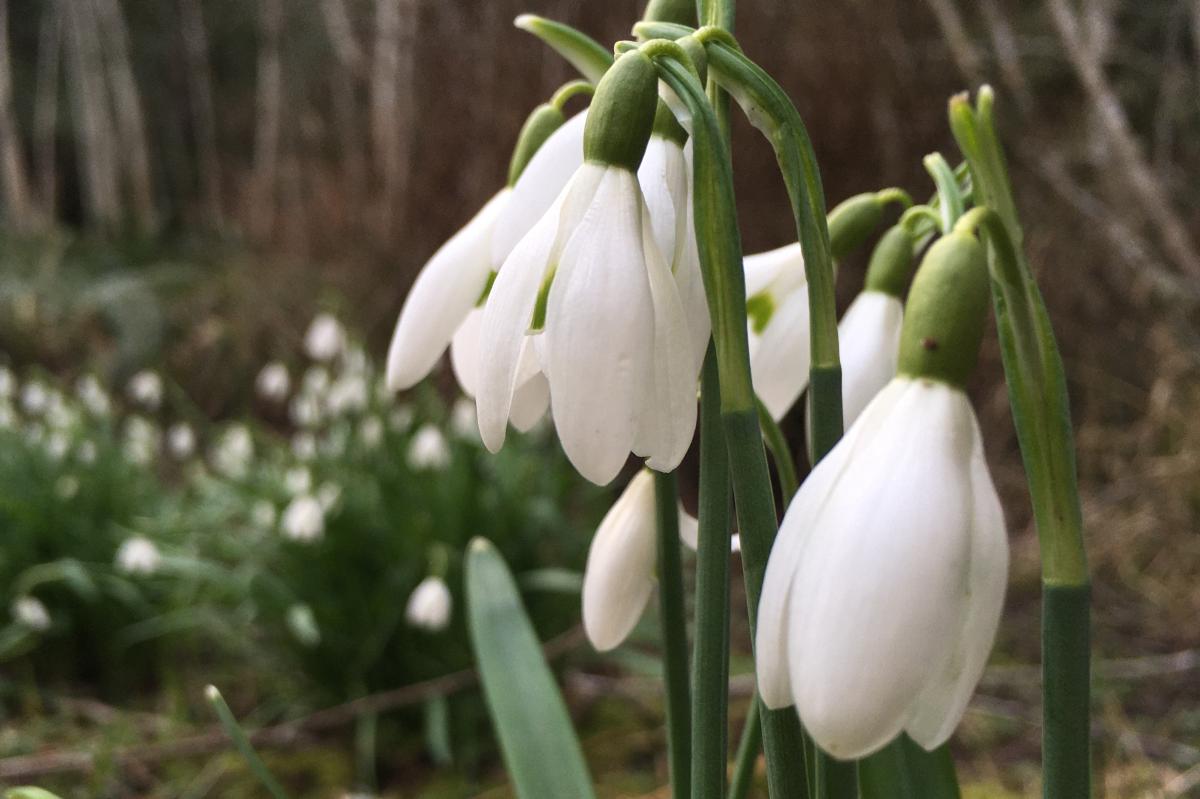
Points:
(241, 742)
(539, 745)
(437, 730)
(580, 50)
(29, 792)
(903, 770)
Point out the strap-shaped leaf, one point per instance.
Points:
(539, 745)
(903, 770)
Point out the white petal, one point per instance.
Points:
(530, 402)
(689, 529)
(667, 422)
(600, 331)
(446, 289)
(877, 592)
(941, 705)
(464, 351)
(869, 337)
(620, 568)
(763, 269)
(535, 191)
(663, 176)
(781, 356)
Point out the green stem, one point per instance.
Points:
(710, 693)
(673, 620)
(1066, 672)
(747, 753)
(242, 743)
(583, 52)
(781, 453)
(950, 199)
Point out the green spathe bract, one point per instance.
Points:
(851, 221)
(622, 113)
(947, 307)
(891, 262)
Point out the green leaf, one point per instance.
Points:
(539, 745)
(903, 770)
(582, 51)
(29, 792)
(437, 731)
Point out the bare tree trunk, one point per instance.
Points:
(130, 122)
(966, 56)
(18, 208)
(204, 120)
(350, 63)
(391, 102)
(266, 135)
(93, 125)
(1139, 177)
(45, 111)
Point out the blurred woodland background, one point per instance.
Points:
(185, 182)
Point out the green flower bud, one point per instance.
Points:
(946, 311)
(891, 262)
(852, 221)
(667, 127)
(541, 122)
(622, 113)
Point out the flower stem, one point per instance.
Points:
(747, 752)
(710, 680)
(673, 620)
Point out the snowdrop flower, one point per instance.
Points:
(777, 307)
(262, 514)
(587, 296)
(885, 585)
(181, 440)
(138, 555)
(29, 612)
(441, 307)
(67, 486)
(57, 445)
(462, 419)
(325, 338)
(8, 417)
(303, 624)
(328, 495)
(304, 446)
(273, 382)
(93, 396)
(234, 450)
(34, 398)
(622, 563)
(401, 418)
(429, 605)
(370, 432)
(303, 519)
(348, 394)
(316, 381)
(297, 480)
(142, 440)
(333, 443)
(429, 449)
(305, 411)
(146, 389)
(86, 452)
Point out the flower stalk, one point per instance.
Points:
(673, 621)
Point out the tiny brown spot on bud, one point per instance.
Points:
(929, 343)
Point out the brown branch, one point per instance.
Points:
(288, 733)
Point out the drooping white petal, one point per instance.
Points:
(600, 330)
(869, 338)
(879, 584)
(780, 357)
(535, 191)
(621, 563)
(446, 289)
(764, 269)
(942, 703)
(464, 351)
(667, 421)
(691, 289)
(663, 176)
(530, 402)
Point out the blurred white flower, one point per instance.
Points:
(86, 453)
(263, 513)
(234, 450)
(93, 396)
(142, 440)
(34, 398)
(8, 417)
(297, 480)
(333, 443)
(138, 555)
(303, 624)
(59, 414)
(325, 339)
(146, 389)
(370, 431)
(57, 445)
(273, 382)
(181, 440)
(303, 519)
(8, 383)
(429, 449)
(328, 495)
(429, 605)
(348, 394)
(401, 418)
(462, 419)
(304, 445)
(355, 361)
(30, 612)
(305, 410)
(315, 381)
(67, 486)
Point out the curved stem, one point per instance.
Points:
(571, 89)
(950, 199)
(673, 621)
(781, 454)
(582, 51)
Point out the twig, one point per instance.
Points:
(288, 733)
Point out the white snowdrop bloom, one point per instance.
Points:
(328, 494)
(777, 307)
(66, 487)
(233, 452)
(8, 382)
(93, 396)
(273, 382)
(303, 519)
(304, 446)
(429, 449)
(885, 584)
(429, 605)
(29, 612)
(303, 624)
(57, 445)
(34, 398)
(462, 419)
(316, 381)
(335, 441)
(138, 555)
(622, 561)
(181, 440)
(589, 292)
(370, 432)
(305, 411)
(348, 394)
(355, 361)
(401, 418)
(59, 414)
(262, 514)
(146, 389)
(86, 453)
(325, 338)
(142, 440)
(297, 480)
